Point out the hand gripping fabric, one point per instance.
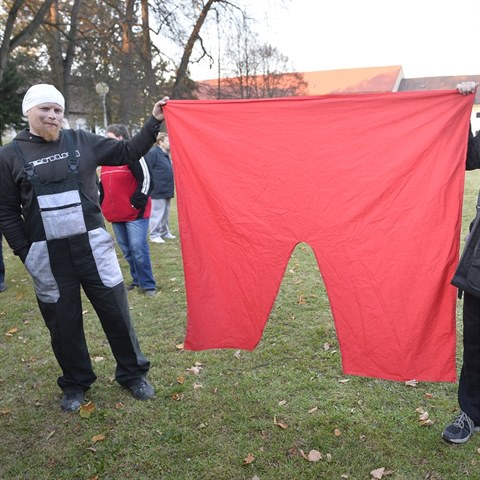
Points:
(373, 183)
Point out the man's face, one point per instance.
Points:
(45, 120)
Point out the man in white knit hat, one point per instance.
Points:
(51, 218)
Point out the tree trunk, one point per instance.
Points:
(182, 69)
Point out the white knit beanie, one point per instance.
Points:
(41, 93)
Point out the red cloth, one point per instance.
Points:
(373, 183)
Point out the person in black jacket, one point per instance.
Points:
(3, 287)
(466, 278)
(163, 189)
(51, 218)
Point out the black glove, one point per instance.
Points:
(139, 200)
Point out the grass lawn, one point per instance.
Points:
(236, 415)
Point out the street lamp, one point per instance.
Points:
(102, 90)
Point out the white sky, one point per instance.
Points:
(425, 37)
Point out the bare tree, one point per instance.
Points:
(19, 30)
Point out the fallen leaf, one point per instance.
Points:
(428, 395)
(180, 346)
(87, 409)
(98, 359)
(326, 346)
(13, 330)
(237, 354)
(98, 438)
(423, 416)
(279, 424)
(92, 449)
(337, 432)
(197, 386)
(281, 403)
(344, 380)
(176, 396)
(301, 300)
(119, 405)
(411, 383)
(378, 473)
(314, 456)
(344, 476)
(249, 459)
(181, 379)
(50, 435)
(313, 410)
(194, 370)
(329, 457)
(5, 411)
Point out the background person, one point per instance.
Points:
(468, 420)
(3, 287)
(125, 202)
(163, 189)
(51, 218)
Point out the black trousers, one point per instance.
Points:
(73, 266)
(469, 384)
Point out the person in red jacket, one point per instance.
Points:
(125, 202)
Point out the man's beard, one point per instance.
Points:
(49, 134)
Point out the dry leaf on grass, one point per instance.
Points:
(279, 424)
(87, 409)
(378, 473)
(314, 456)
(313, 410)
(180, 346)
(98, 438)
(249, 459)
(337, 432)
(411, 383)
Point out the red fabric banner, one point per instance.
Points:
(373, 183)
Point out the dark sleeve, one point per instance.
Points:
(109, 151)
(141, 172)
(11, 220)
(473, 152)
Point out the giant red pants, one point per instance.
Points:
(373, 183)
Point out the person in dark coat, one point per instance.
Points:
(163, 189)
(467, 279)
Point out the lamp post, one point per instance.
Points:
(102, 90)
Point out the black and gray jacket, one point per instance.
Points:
(467, 275)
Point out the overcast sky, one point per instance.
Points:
(425, 37)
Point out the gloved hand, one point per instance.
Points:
(465, 88)
(139, 200)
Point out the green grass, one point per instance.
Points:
(206, 426)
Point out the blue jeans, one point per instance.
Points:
(133, 241)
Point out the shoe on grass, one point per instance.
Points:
(169, 236)
(460, 430)
(72, 401)
(141, 389)
(157, 240)
(150, 293)
(3, 287)
(131, 287)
